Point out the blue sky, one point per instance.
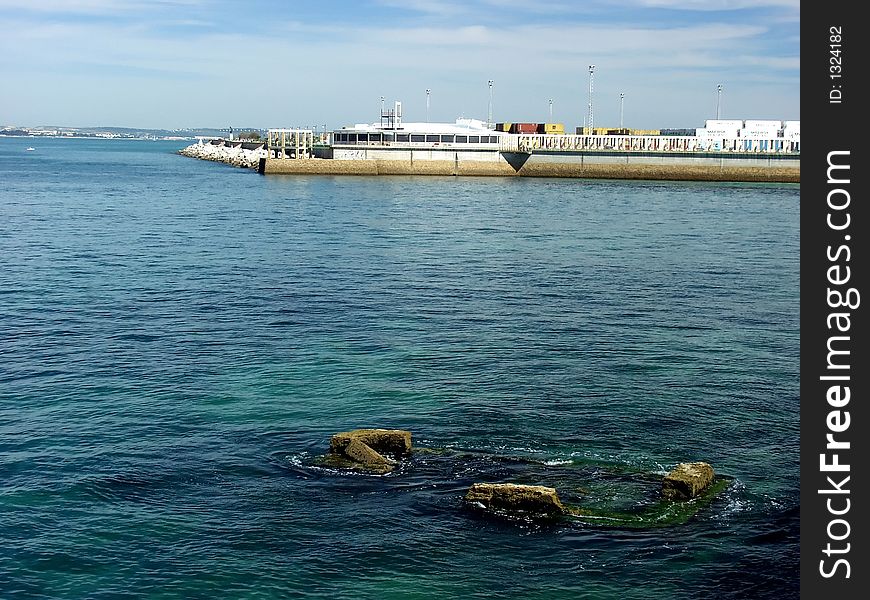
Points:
(219, 63)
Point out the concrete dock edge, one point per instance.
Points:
(581, 169)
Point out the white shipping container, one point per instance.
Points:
(761, 128)
(762, 124)
(723, 124)
(794, 136)
(791, 125)
(759, 134)
(710, 132)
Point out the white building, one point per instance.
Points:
(465, 139)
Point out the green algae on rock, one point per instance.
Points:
(661, 514)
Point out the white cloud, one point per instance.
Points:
(439, 8)
(92, 7)
(324, 72)
(717, 5)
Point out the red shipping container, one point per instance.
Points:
(524, 128)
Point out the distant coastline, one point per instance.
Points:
(110, 133)
(97, 137)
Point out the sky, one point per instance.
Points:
(298, 63)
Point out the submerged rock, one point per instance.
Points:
(687, 480)
(365, 449)
(511, 497)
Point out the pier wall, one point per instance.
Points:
(417, 154)
(385, 167)
(581, 165)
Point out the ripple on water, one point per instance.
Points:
(179, 339)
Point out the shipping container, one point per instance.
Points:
(622, 131)
(759, 134)
(748, 124)
(723, 124)
(551, 128)
(524, 128)
(678, 132)
(718, 133)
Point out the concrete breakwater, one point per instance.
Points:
(649, 167)
(235, 153)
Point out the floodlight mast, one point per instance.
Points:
(589, 116)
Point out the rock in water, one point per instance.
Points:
(687, 480)
(365, 449)
(362, 453)
(511, 497)
(392, 442)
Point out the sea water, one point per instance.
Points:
(179, 339)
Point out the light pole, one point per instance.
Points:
(551, 110)
(718, 99)
(591, 76)
(489, 113)
(427, 104)
(621, 106)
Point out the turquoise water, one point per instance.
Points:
(179, 339)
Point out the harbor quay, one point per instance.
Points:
(733, 150)
(687, 167)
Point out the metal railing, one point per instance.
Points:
(530, 143)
